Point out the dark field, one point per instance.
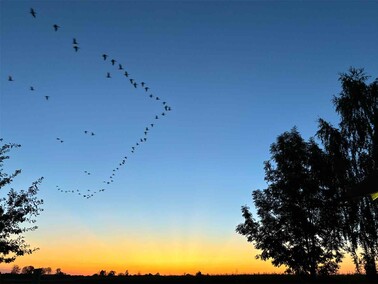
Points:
(240, 279)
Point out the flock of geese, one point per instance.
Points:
(143, 139)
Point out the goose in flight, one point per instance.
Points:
(76, 48)
(47, 98)
(74, 41)
(108, 75)
(56, 27)
(31, 88)
(126, 74)
(113, 61)
(33, 13)
(143, 83)
(135, 85)
(146, 88)
(132, 81)
(10, 78)
(120, 67)
(104, 56)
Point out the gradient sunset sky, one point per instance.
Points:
(236, 75)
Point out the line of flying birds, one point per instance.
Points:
(91, 193)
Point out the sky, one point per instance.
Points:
(235, 74)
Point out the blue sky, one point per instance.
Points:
(236, 74)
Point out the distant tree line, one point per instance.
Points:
(319, 201)
(30, 270)
(102, 273)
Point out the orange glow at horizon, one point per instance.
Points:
(163, 256)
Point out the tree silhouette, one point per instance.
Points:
(314, 191)
(46, 270)
(15, 269)
(17, 209)
(59, 271)
(297, 224)
(353, 147)
(27, 269)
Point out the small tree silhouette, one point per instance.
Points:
(15, 269)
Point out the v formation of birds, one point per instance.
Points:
(89, 193)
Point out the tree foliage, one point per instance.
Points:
(353, 147)
(18, 210)
(305, 217)
(296, 225)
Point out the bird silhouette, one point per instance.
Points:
(10, 78)
(163, 114)
(56, 27)
(31, 88)
(156, 117)
(151, 96)
(143, 83)
(86, 131)
(126, 74)
(132, 81)
(104, 56)
(47, 98)
(92, 134)
(108, 75)
(74, 41)
(146, 88)
(152, 125)
(157, 98)
(120, 67)
(135, 85)
(113, 61)
(76, 48)
(33, 13)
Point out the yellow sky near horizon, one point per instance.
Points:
(87, 255)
